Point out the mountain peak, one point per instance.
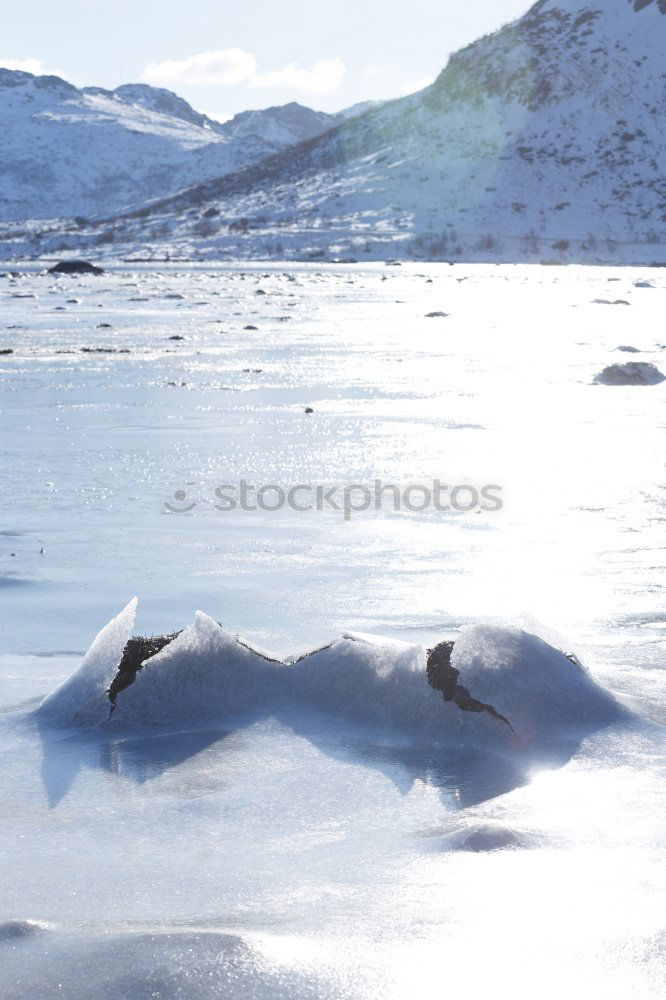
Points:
(14, 78)
(558, 50)
(284, 123)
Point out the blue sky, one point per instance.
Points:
(227, 57)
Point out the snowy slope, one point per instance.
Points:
(545, 138)
(69, 152)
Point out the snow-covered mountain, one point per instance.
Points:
(546, 138)
(70, 152)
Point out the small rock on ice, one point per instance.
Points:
(632, 373)
(75, 267)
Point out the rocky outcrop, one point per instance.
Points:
(639, 4)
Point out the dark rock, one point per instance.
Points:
(631, 373)
(6, 350)
(436, 315)
(104, 350)
(138, 649)
(443, 677)
(308, 409)
(75, 267)
(13, 930)
(176, 336)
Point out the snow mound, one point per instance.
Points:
(207, 674)
(487, 837)
(631, 373)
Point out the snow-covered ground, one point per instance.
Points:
(317, 834)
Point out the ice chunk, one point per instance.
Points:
(376, 682)
(509, 684)
(204, 673)
(537, 687)
(81, 699)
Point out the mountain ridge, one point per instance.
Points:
(71, 152)
(545, 138)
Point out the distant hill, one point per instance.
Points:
(70, 152)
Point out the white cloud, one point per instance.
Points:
(223, 68)
(231, 67)
(35, 66)
(372, 72)
(325, 77)
(414, 85)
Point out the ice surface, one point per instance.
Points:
(251, 825)
(140, 966)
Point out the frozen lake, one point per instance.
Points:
(293, 849)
